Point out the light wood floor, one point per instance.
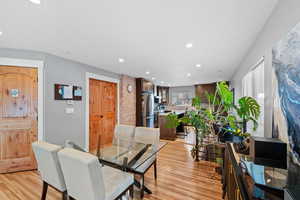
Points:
(189, 139)
(179, 178)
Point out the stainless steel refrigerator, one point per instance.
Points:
(147, 109)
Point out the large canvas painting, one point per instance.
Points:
(286, 82)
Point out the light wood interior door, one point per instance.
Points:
(103, 101)
(18, 118)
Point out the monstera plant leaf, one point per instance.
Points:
(248, 108)
(231, 119)
(225, 94)
(255, 123)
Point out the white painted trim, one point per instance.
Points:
(35, 64)
(261, 60)
(87, 105)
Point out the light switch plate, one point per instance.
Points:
(69, 110)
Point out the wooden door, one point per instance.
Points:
(18, 118)
(103, 100)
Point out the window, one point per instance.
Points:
(253, 86)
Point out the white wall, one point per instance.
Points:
(284, 17)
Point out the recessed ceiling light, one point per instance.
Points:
(198, 65)
(1, 33)
(189, 74)
(153, 78)
(35, 1)
(121, 60)
(188, 45)
(147, 72)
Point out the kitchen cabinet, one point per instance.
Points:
(202, 89)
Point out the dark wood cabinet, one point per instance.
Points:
(166, 133)
(234, 187)
(143, 85)
(202, 89)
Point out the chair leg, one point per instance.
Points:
(155, 170)
(142, 186)
(131, 191)
(45, 189)
(65, 196)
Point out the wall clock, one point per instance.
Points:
(129, 88)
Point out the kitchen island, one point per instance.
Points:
(167, 133)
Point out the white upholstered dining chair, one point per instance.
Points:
(86, 179)
(73, 145)
(147, 136)
(124, 132)
(49, 167)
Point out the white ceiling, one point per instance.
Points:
(149, 34)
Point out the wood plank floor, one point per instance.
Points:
(179, 178)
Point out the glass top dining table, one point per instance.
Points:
(127, 153)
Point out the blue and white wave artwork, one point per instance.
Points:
(286, 81)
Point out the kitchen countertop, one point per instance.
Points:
(177, 112)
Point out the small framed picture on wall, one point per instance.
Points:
(67, 92)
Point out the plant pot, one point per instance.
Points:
(230, 137)
(226, 137)
(237, 139)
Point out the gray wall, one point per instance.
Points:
(284, 17)
(58, 125)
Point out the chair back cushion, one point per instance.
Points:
(83, 174)
(147, 135)
(73, 145)
(48, 164)
(124, 132)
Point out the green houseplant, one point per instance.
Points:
(195, 118)
(204, 118)
(247, 110)
(221, 112)
(236, 116)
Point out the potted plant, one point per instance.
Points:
(204, 118)
(234, 118)
(218, 113)
(194, 118)
(247, 110)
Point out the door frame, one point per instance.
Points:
(39, 64)
(87, 105)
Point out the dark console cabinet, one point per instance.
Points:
(270, 152)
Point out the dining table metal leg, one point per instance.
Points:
(155, 169)
(142, 186)
(137, 184)
(131, 190)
